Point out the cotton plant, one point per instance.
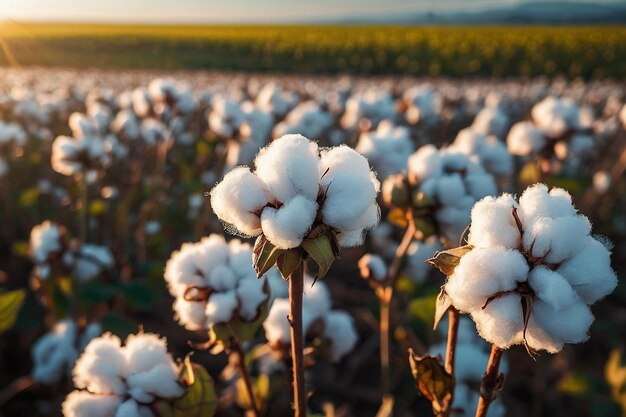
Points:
(55, 353)
(301, 202)
(12, 141)
(528, 275)
(113, 380)
(423, 106)
(487, 149)
(364, 110)
(491, 121)
(387, 148)
(307, 119)
(272, 99)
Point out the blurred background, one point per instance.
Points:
(177, 93)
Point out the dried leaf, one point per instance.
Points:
(433, 381)
(397, 216)
(441, 307)
(264, 255)
(447, 260)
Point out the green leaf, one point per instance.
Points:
(20, 248)
(95, 292)
(442, 304)
(321, 250)
(200, 399)
(264, 255)
(289, 261)
(139, 295)
(118, 324)
(397, 216)
(10, 305)
(424, 227)
(423, 308)
(447, 260)
(433, 381)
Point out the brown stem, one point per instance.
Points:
(398, 261)
(491, 383)
(15, 388)
(453, 332)
(384, 346)
(235, 348)
(296, 289)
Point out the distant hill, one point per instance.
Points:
(527, 13)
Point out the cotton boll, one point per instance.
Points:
(85, 404)
(316, 299)
(493, 223)
(536, 201)
(91, 260)
(417, 255)
(130, 408)
(143, 352)
(351, 238)
(191, 314)
(601, 181)
(251, 295)
(501, 322)
(287, 226)
(590, 272)
(551, 287)
(289, 167)
(482, 273)
(425, 163)
(276, 326)
(374, 265)
(568, 325)
(339, 160)
(54, 352)
(181, 271)
(220, 307)
(100, 368)
(490, 121)
(538, 339)
(92, 331)
(222, 278)
(452, 222)
(209, 253)
(339, 329)
(45, 239)
(240, 260)
(525, 139)
(450, 189)
(480, 185)
(160, 381)
(348, 197)
(555, 240)
(236, 199)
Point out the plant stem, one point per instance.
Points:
(296, 289)
(84, 209)
(15, 387)
(453, 332)
(384, 346)
(235, 347)
(491, 382)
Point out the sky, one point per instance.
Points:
(234, 11)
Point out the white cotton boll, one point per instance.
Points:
(351, 238)
(555, 240)
(590, 272)
(450, 189)
(493, 223)
(602, 181)
(160, 381)
(368, 220)
(210, 252)
(490, 121)
(425, 163)
(555, 116)
(181, 271)
(387, 149)
(91, 260)
(236, 199)
(289, 167)
(501, 322)
(339, 329)
(85, 404)
(278, 286)
(222, 278)
(100, 368)
(130, 408)
(45, 239)
(551, 287)
(375, 265)
(251, 295)
(484, 272)
(480, 185)
(191, 314)
(144, 351)
(221, 307)
(348, 198)
(339, 160)
(240, 259)
(525, 139)
(452, 222)
(276, 326)
(538, 339)
(54, 352)
(568, 325)
(536, 201)
(316, 299)
(287, 226)
(92, 331)
(417, 255)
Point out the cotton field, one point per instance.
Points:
(198, 244)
